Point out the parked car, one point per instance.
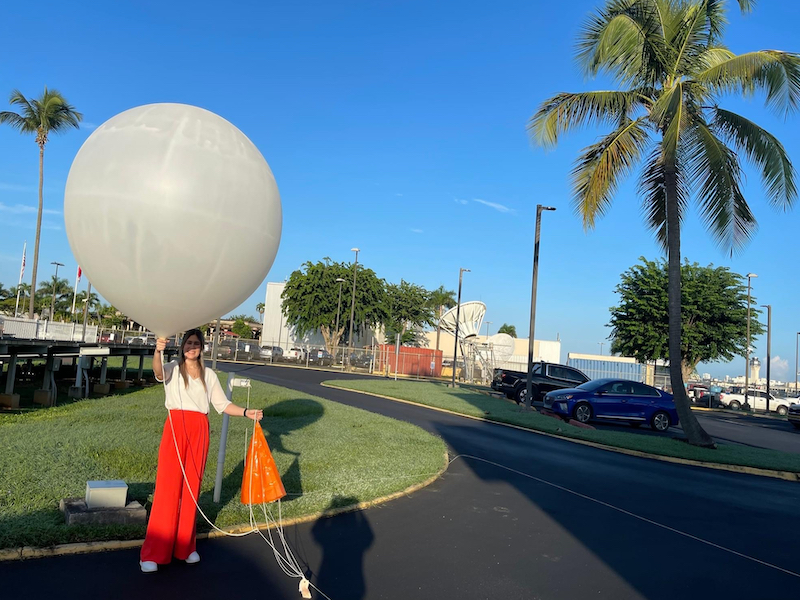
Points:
(274, 353)
(794, 415)
(295, 355)
(615, 400)
(225, 350)
(321, 357)
(546, 378)
(360, 359)
(758, 400)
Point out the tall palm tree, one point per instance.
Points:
(260, 310)
(50, 113)
(440, 300)
(668, 57)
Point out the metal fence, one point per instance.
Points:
(39, 329)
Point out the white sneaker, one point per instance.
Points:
(193, 558)
(148, 566)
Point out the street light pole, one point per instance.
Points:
(55, 280)
(340, 281)
(487, 323)
(747, 349)
(529, 382)
(601, 347)
(458, 317)
(352, 308)
(796, 349)
(769, 345)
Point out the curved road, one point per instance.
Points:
(516, 516)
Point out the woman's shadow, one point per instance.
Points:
(344, 540)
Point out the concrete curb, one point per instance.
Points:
(785, 475)
(28, 552)
(738, 413)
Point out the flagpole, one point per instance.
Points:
(75, 293)
(21, 273)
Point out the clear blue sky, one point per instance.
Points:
(397, 127)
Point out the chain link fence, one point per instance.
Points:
(40, 329)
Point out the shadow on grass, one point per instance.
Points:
(343, 540)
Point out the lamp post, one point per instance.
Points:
(601, 347)
(352, 308)
(487, 323)
(796, 348)
(458, 317)
(529, 382)
(340, 281)
(769, 345)
(747, 349)
(55, 280)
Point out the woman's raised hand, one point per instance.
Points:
(161, 343)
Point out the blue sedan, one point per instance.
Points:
(615, 400)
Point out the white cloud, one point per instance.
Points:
(779, 368)
(498, 207)
(460, 201)
(415, 230)
(399, 195)
(25, 209)
(89, 126)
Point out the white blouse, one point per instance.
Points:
(193, 397)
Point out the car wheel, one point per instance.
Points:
(582, 413)
(734, 405)
(660, 421)
(783, 411)
(522, 394)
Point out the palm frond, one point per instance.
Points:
(691, 37)
(765, 151)
(671, 114)
(16, 121)
(567, 111)
(601, 166)
(716, 169)
(776, 72)
(626, 40)
(652, 189)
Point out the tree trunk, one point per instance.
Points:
(687, 369)
(696, 435)
(38, 233)
(438, 328)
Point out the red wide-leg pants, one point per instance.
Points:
(171, 528)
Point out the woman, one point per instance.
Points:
(190, 388)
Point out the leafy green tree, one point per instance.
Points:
(713, 312)
(509, 329)
(409, 308)
(441, 299)
(311, 296)
(242, 329)
(49, 113)
(244, 317)
(668, 57)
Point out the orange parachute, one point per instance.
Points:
(261, 482)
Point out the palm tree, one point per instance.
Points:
(45, 292)
(668, 57)
(260, 309)
(50, 113)
(441, 299)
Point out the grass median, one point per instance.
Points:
(329, 456)
(467, 402)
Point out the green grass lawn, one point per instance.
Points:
(467, 402)
(329, 455)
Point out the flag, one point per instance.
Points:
(22, 268)
(79, 273)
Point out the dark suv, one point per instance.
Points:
(546, 378)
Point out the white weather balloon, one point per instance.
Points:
(173, 214)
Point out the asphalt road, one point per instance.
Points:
(516, 516)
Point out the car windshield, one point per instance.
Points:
(593, 385)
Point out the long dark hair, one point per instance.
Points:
(182, 357)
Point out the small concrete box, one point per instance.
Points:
(106, 494)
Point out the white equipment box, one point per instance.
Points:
(106, 494)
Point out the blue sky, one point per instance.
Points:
(397, 127)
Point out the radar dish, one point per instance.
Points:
(502, 346)
(470, 317)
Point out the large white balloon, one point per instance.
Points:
(173, 214)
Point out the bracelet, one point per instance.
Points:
(244, 414)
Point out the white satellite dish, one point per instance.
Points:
(470, 319)
(502, 346)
